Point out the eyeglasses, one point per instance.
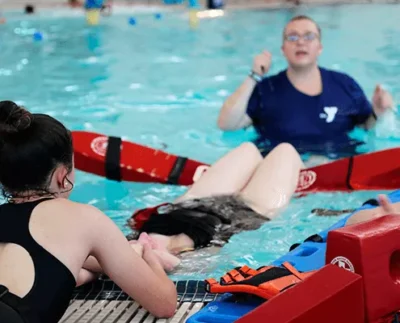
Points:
(308, 37)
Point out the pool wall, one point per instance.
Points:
(5, 4)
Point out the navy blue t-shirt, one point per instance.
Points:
(314, 124)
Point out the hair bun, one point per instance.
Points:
(13, 118)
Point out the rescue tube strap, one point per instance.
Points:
(113, 159)
(349, 173)
(176, 170)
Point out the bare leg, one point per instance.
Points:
(261, 182)
(274, 181)
(228, 175)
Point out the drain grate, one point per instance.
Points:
(104, 302)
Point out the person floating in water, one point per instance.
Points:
(187, 227)
(309, 106)
(240, 192)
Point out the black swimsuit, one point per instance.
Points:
(54, 283)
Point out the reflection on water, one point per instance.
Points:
(161, 84)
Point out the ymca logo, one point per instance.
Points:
(330, 114)
(343, 262)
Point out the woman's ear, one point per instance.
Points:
(60, 177)
(320, 49)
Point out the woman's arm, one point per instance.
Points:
(85, 276)
(143, 279)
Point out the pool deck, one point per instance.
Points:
(105, 311)
(234, 4)
(104, 302)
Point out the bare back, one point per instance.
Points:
(60, 235)
(55, 227)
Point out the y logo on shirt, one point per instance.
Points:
(329, 115)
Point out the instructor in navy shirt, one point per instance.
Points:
(311, 107)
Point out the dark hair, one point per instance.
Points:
(303, 17)
(31, 147)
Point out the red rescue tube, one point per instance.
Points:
(127, 161)
(372, 171)
(136, 163)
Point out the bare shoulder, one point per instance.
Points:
(72, 210)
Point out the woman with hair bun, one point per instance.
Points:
(48, 244)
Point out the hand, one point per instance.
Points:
(149, 256)
(137, 247)
(381, 101)
(168, 261)
(262, 63)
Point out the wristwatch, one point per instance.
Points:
(256, 77)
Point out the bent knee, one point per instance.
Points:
(250, 150)
(286, 148)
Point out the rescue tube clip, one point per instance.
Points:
(113, 159)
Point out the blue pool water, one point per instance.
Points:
(161, 84)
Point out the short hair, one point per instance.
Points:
(303, 17)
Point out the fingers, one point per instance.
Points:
(147, 248)
(143, 238)
(168, 261)
(380, 90)
(266, 57)
(138, 248)
(262, 63)
(266, 53)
